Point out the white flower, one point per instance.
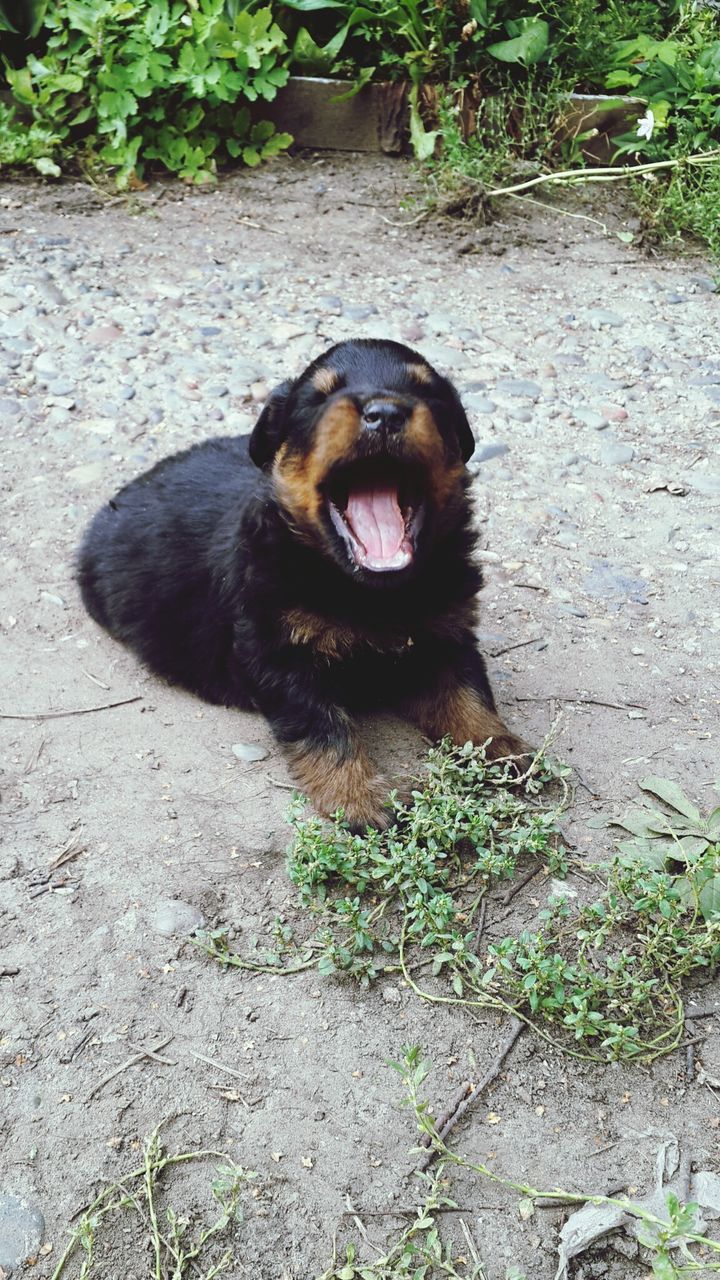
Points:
(646, 124)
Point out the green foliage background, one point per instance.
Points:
(127, 84)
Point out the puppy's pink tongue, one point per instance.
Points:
(375, 518)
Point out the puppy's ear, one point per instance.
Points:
(271, 427)
(463, 429)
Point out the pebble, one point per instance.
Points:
(599, 318)
(590, 418)
(21, 1230)
(173, 916)
(518, 387)
(616, 455)
(484, 452)
(249, 751)
(478, 403)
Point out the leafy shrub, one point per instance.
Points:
(155, 80)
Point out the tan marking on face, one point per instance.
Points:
(420, 372)
(424, 440)
(297, 477)
(326, 381)
(334, 640)
(350, 784)
(455, 710)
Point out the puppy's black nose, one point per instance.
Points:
(384, 415)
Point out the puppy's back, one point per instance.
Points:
(144, 564)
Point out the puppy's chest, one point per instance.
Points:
(336, 641)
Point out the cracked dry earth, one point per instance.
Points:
(591, 373)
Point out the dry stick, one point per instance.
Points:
(519, 884)
(130, 1062)
(613, 174)
(77, 711)
(444, 1125)
(480, 927)
(219, 1066)
(590, 702)
(496, 653)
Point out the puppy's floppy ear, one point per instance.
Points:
(271, 428)
(463, 429)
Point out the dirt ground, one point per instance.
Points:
(592, 374)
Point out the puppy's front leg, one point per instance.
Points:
(455, 700)
(325, 755)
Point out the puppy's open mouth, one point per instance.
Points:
(377, 508)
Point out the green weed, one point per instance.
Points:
(138, 81)
(603, 978)
(176, 1250)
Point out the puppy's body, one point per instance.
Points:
(260, 589)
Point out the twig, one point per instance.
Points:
(614, 174)
(480, 927)
(219, 1066)
(130, 1062)
(443, 1127)
(591, 702)
(412, 222)
(496, 653)
(517, 885)
(95, 679)
(71, 849)
(77, 711)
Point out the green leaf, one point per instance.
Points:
(713, 824)
(709, 898)
(528, 47)
(423, 140)
(673, 795)
(652, 854)
(47, 167)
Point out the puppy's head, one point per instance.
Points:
(367, 453)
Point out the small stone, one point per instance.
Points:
(10, 408)
(391, 995)
(637, 651)
(412, 331)
(87, 473)
(600, 318)
(21, 1230)
(615, 412)
(103, 334)
(173, 916)
(360, 312)
(590, 418)
(518, 387)
(61, 387)
(484, 452)
(616, 455)
(249, 751)
(479, 404)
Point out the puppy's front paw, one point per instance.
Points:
(347, 783)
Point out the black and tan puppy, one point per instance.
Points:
(321, 567)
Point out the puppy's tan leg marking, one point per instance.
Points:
(333, 782)
(456, 710)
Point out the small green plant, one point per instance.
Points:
(673, 1241)
(178, 1252)
(602, 978)
(138, 81)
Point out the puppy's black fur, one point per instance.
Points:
(319, 567)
